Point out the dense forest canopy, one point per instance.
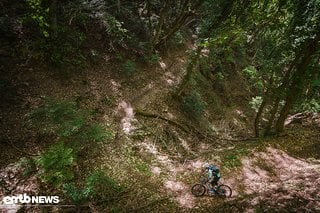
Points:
(259, 58)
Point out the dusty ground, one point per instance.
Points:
(163, 168)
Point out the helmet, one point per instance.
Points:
(206, 165)
(214, 168)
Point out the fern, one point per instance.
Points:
(61, 118)
(76, 195)
(98, 185)
(56, 164)
(65, 120)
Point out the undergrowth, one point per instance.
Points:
(73, 130)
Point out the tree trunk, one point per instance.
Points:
(296, 87)
(180, 21)
(272, 116)
(118, 6)
(262, 106)
(149, 18)
(163, 15)
(193, 61)
(53, 19)
(258, 116)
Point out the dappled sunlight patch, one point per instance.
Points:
(115, 86)
(126, 110)
(198, 164)
(14, 183)
(186, 200)
(156, 170)
(185, 144)
(279, 180)
(174, 186)
(170, 79)
(253, 177)
(183, 196)
(163, 65)
(173, 169)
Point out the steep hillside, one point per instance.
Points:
(116, 106)
(157, 152)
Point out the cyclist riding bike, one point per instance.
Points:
(208, 183)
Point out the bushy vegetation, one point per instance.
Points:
(193, 105)
(74, 130)
(129, 67)
(56, 164)
(97, 186)
(67, 122)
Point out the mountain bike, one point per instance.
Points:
(220, 190)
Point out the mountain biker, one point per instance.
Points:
(213, 174)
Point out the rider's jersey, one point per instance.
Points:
(213, 174)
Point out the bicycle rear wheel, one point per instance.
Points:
(198, 190)
(224, 191)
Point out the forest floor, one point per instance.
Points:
(157, 162)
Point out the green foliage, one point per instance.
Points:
(232, 159)
(102, 186)
(193, 105)
(76, 195)
(66, 121)
(255, 103)
(153, 58)
(56, 164)
(96, 133)
(143, 168)
(40, 15)
(97, 186)
(250, 72)
(129, 67)
(254, 78)
(61, 33)
(312, 105)
(178, 38)
(61, 118)
(65, 52)
(117, 34)
(74, 127)
(29, 166)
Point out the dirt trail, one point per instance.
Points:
(172, 169)
(273, 178)
(170, 76)
(277, 180)
(13, 182)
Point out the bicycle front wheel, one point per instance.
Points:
(224, 191)
(198, 190)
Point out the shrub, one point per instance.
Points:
(312, 105)
(153, 58)
(178, 38)
(193, 105)
(98, 185)
(56, 164)
(96, 133)
(61, 118)
(102, 185)
(129, 67)
(29, 166)
(65, 120)
(76, 195)
(115, 31)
